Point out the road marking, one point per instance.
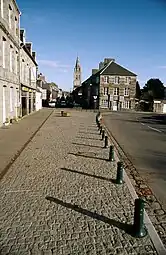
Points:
(155, 129)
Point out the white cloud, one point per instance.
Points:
(162, 67)
(53, 64)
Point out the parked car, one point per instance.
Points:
(51, 103)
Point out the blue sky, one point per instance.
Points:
(132, 32)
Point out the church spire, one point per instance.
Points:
(77, 74)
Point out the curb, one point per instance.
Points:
(157, 242)
(4, 171)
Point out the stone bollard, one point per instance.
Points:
(139, 229)
(106, 142)
(119, 176)
(103, 135)
(100, 130)
(111, 153)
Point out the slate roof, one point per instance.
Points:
(112, 68)
(115, 69)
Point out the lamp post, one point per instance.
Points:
(94, 97)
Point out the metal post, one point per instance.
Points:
(119, 176)
(139, 226)
(111, 153)
(103, 135)
(106, 142)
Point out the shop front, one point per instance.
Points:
(28, 100)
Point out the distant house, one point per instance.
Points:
(111, 86)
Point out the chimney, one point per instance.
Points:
(29, 47)
(22, 36)
(94, 71)
(108, 60)
(101, 65)
(34, 55)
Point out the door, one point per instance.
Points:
(115, 106)
(4, 105)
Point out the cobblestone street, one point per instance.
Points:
(59, 196)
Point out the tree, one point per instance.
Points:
(154, 88)
(138, 91)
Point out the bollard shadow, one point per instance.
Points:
(85, 156)
(91, 133)
(89, 138)
(88, 145)
(123, 226)
(89, 175)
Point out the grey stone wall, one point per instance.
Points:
(108, 82)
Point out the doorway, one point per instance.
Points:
(4, 104)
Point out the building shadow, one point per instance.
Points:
(156, 119)
(89, 175)
(89, 138)
(123, 226)
(85, 156)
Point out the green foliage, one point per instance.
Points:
(153, 89)
(138, 91)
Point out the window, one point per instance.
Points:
(10, 16)
(4, 52)
(2, 8)
(105, 91)
(105, 103)
(11, 99)
(126, 91)
(127, 80)
(116, 91)
(107, 79)
(30, 76)
(16, 63)
(11, 58)
(116, 80)
(22, 70)
(16, 28)
(126, 105)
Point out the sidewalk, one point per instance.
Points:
(59, 196)
(14, 137)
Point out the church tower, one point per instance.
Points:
(77, 74)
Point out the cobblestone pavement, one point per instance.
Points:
(10, 145)
(59, 196)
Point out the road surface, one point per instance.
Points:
(143, 137)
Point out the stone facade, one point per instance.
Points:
(117, 92)
(77, 74)
(28, 77)
(9, 61)
(111, 86)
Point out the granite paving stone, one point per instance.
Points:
(59, 196)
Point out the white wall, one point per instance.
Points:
(38, 101)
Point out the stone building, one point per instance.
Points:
(28, 76)
(111, 86)
(9, 61)
(77, 74)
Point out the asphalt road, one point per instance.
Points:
(143, 137)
